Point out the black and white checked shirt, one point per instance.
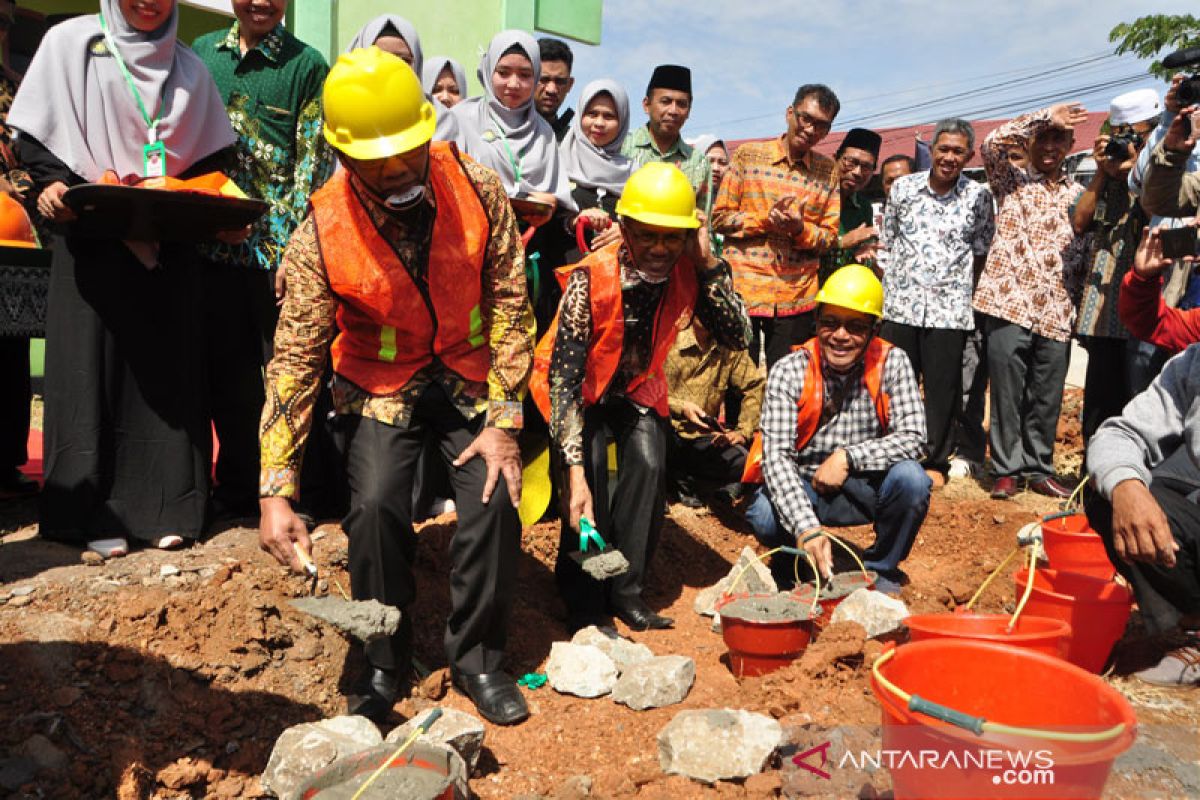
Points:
(854, 427)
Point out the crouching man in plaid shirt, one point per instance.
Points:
(843, 429)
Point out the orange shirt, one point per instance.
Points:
(775, 273)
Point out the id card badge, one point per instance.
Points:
(154, 160)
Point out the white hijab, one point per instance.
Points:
(447, 129)
(597, 167)
(75, 101)
(512, 140)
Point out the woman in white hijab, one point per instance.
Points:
(444, 80)
(127, 437)
(591, 156)
(503, 131)
(396, 35)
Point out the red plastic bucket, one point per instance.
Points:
(847, 584)
(1072, 546)
(1096, 610)
(1007, 685)
(1042, 634)
(758, 647)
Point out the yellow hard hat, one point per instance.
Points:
(374, 106)
(854, 287)
(659, 194)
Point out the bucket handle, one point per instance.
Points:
(848, 549)
(424, 727)
(793, 551)
(1030, 533)
(979, 725)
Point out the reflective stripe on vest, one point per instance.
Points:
(387, 329)
(608, 332)
(812, 399)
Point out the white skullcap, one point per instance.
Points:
(1136, 106)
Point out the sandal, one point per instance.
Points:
(169, 542)
(109, 548)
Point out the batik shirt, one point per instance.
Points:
(16, 176)
(273, 94)
(932, 242)
(1034, 270)
(308, 323)
(1116, 230)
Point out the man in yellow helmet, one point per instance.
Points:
(598, 373)
(843, 429)
(410, 263)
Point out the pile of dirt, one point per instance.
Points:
(170, 675)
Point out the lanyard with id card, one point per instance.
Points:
(154, 153)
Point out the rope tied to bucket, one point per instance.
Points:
(1029, 536)
(424, 727)
(797, 552)
(979, 725)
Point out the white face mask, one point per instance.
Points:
(406, 199)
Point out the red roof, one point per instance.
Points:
(903, 140)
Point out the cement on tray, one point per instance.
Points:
(780, 607)
(411, 784)
(360, 619)
(603, 566)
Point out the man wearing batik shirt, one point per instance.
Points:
(1028, 290)
(271, 84)
(937, 227)
(1115, 219)
(668, 104)
(778, 209)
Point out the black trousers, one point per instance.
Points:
(936, 355)
(1164, 595)
(1107, 387)
(240, 316)
(380, 464)
(15, 395)
(780, 334)
(971, 438)
(701, 459)
(629, 515)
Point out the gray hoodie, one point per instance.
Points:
(1158, 433)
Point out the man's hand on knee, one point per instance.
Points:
(502, 456)
(280, 531)
(1140, 529)
(832, 473)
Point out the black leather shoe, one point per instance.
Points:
(495, 695)
(639, 617)
(374, 695)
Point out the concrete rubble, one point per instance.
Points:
(875, 611)
(622, 651)
(661, 681)
(462, 731)
(757, 578)
(714, 744)
(303, 749)
(580, 669)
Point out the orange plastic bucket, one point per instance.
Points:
(1096, 610)
(757, 647)
(1045, 635)
(1012, 686)
(1072, 546)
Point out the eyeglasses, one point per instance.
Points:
(546, 80)
(645, 239)
(850, 164)
(819, 125)
(855, 327)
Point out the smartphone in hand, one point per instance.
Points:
(1178, 242)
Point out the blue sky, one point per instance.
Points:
(880, 56)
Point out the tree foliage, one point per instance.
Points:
(1148, 36)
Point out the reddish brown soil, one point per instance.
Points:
(177, 686)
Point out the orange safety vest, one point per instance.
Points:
(608, 333)
(812, 400)
(388, 329)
